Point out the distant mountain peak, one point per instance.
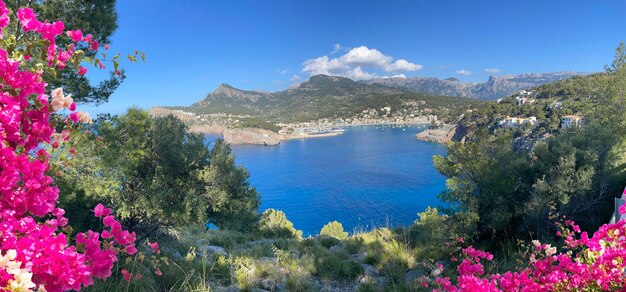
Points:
(226, 94)
(226, 85)
(327, 78)
(452, 79)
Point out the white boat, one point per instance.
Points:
(336, 130)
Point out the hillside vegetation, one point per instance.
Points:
(581, 95)
(498, 197)
(321, 97)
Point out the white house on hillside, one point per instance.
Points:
(517, 122)
(571, 121)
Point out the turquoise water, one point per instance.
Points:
(367, 177)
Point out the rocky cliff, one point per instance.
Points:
(251, 136)
(442, 134)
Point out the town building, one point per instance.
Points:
(515, 122)
(571, 121)
(556, 105)
(520, 100)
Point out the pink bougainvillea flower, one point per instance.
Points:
(131, 249)
(127, 276)
(74, 117)
(31, 225)
(100, 210)
(154, 246)
(82, 70)
(28, 19)
(4, 17)
(108, 220)
(75, 35)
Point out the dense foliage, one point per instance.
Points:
(257, 123)
(334, 229)
(232, 201)
(156, 174)
(38, 248)
(575, 172)
(97, 17)
(274, 223)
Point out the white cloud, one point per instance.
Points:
(358, 74)
(353, 64)
(281, 71)
(277, 82)
(464, 72)
(395, 76)
(403, 65)
(336, 48)
(492, 70)
(295, 78)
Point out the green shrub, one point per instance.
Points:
(256, 250)
(297, 284)
(243, 272)
(334, 229)
(328, 241)
(332, 267)
(368, 287)
(353, 245)
(228, 238)
(432, 231)
(274, 223)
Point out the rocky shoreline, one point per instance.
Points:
(442, 134)
(252, 136)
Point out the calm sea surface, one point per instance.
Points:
(367, 177)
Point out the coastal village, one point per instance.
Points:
(382, 116)
(236, 131)
(229, 125)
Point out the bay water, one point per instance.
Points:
(370, 176)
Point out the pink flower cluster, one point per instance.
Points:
(595, 264)
(31, 226)
(49, 32)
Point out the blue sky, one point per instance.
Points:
(193, 46)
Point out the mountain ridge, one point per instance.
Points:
(495, 87)
(322, 96)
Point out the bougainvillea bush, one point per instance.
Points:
(582, 263)
(37, 251)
